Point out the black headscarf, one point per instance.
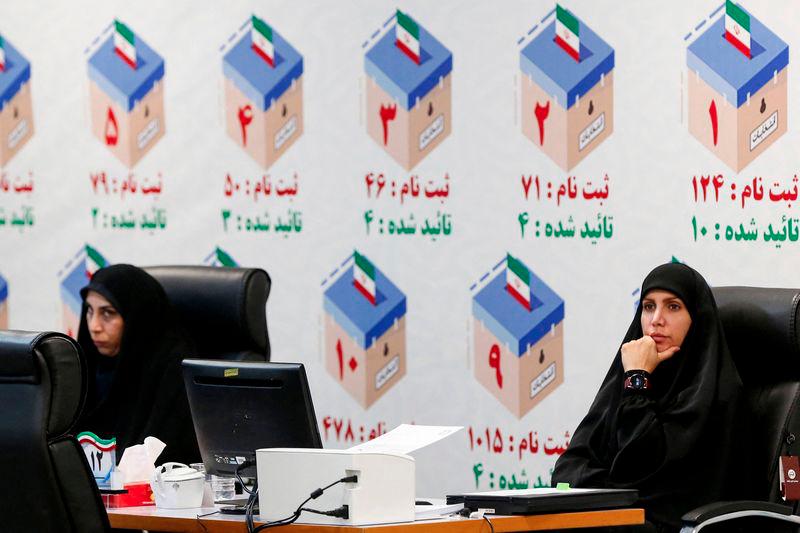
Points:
(675, 444)
(146, 395)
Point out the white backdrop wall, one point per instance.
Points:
(650, 160)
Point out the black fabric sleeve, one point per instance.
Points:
(641, 440)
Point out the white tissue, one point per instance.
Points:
(138, 462)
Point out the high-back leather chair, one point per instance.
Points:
(46, 485)
(762, 327)
(223, 309)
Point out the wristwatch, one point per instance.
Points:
(637, 380)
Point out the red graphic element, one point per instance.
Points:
(562, 42)
(112, 131)
(494, 362)
(387, 113)
(712, 112)
(516, 292)
(541, 112)
(262, 55)
(353, 364)
(245, 118)
(364, 292)
(739, 45)
(340, 356)
(125, 58)
(407, 51)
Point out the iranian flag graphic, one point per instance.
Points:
(737, 27)
(518, 281)
(568, 31)
(94, 261)
(407, 36)
(2, 54)
(124, 43)
(261, 35)
(364, 277)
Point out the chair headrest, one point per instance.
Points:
(49, 360)
(222, 308)
(762, 329)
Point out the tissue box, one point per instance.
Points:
(737, 105)
(408, 105)
(3, 303)
(137, 495)
(127, 104)
(519, 353)
(365, 344)
(74, 277)
(567, 105)
(263, 104)
(16, 110)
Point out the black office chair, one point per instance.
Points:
(762, 326)
(222, 309)
(47, 485)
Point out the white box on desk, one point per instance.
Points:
(384, 492)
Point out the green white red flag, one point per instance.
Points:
(737, 27)
(94, 261)
(125, 43)
(263, 45)
(2, 54)
(364, 277)
(406, 35)
(518, 281)
(568, 31)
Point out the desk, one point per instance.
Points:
(185, 520)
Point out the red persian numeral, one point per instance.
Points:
(245, 118)
(494, 362)
(712, 113)
(340, 356)
(112, 131)
(541, 112)
(387, 113)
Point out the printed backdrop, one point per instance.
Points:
(456, 201)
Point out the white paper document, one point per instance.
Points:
(406, 438)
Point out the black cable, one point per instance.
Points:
(341, 512)
(489, 522)
(237, 472)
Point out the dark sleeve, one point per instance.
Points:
(171, 419)
(579, 465)
(642, 435)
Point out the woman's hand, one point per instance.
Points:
(641, 354)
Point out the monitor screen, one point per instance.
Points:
(238, 407)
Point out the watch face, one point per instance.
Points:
(637, 381)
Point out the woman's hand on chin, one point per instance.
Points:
(642, 354)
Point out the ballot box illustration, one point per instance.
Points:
(3, 303)
(126, 94)
(408, 89)
(101, 454)
(74, 276)
(16, 110)
(219, 258)
(518, 337)
(365, 331)
(567, 89)
(737, 85)
(263, 93)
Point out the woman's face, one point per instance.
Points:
(665, 319)
(105, 324)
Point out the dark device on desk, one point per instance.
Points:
(510, 502)
(238, 407)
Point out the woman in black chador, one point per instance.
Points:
(134, 348)
(664, 420)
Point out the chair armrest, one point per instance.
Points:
(715, 512)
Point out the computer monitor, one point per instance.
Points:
(238, 407)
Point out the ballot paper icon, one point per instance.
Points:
(101, 454)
